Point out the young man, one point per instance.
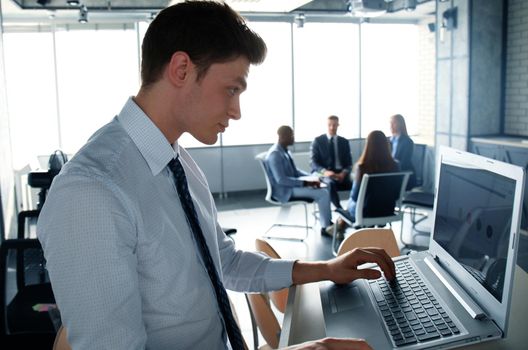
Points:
(330, 156)
(285, 181)
(134, 251)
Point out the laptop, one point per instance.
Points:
(458, 292)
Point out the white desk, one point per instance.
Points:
(303, 319)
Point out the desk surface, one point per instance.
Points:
(303, 319)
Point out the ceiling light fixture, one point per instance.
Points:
(83, 14)
(299, 20)
(73, 2)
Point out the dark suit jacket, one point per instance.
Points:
(404, 152)
(320, 154)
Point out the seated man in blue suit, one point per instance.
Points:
(285, 181)
(330, 156)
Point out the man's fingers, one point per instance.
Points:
(369, 274)
(378, 256)
(348, 344)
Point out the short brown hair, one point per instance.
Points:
(208, 31)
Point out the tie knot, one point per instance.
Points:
(176, 167)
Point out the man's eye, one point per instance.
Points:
(233, 91)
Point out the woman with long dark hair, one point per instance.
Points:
(376, 158)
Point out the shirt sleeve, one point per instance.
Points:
(250, 271)
(89, 242)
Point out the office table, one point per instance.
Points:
(303, 319)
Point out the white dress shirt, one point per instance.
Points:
(121, 258)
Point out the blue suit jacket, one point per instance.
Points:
(320, 154)
(404, 152)
(283, 176)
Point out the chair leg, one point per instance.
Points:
(306, 226)
(253, 325)
(334, 234)
(412, 213)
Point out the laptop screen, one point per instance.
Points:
(473, 222)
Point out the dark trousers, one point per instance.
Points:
(334, 186)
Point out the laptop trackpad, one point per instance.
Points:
(349, 313)
(345, 297)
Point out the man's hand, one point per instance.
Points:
(344, 268)
(339, 177)
(313, 184)
(332, 344)
(329, 173)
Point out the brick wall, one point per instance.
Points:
(516, 97)
(426, 86)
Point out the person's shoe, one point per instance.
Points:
(341, 228)
(328, 231)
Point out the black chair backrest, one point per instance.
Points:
(382, 194)
(32, 288)
(418, 159)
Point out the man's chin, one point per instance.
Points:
(208, 139)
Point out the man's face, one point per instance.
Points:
(290, 137)
(215, 99)
(332, 127)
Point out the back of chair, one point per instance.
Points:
(61, 340)
(418, 161)
(27, 311)
(261, 158)
(379, 194)
(265, 318)
(279, 298)
(371, 237)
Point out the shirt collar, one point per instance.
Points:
(149, 140)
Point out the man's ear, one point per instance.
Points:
(179, 68)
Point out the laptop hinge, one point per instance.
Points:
(463, 298)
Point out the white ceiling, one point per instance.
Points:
(121, 9)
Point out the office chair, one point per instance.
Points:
(260, 308)
(61, 340)
(371, 237)
(24, 316)
(379, 202)
(419, 204)
(284, 206)
(418, 200)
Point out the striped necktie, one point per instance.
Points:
(233, 332)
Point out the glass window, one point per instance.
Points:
(326, 79)
(97, 70)
(389, 76)
(30, 85)
(267, 103)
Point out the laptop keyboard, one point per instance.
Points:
(411, 312)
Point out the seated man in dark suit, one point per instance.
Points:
(330, 156)
(285, 181)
